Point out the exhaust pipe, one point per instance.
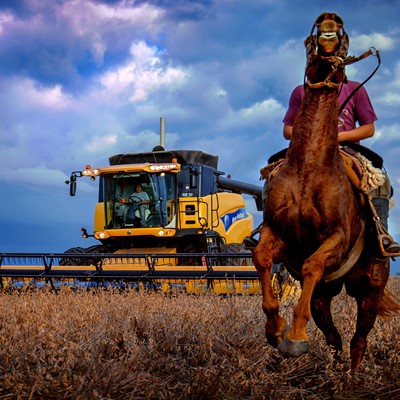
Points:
(161, 146)
(162, 132)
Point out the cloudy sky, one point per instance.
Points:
(85, 79)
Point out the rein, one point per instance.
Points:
(339, 62)
(359, 58)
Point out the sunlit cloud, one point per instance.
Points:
(143, 74)
(39, 176)
(390, 98)
(97, 143)
(100, 23)
(378, 40)
(5, 18)
(265, 109)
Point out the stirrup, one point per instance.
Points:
(249, 242)
(388, 246)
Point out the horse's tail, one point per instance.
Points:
(389, 304)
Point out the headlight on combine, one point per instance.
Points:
(90, 171)
(101, 235)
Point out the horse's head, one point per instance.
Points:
(325, 50)
(330, 38)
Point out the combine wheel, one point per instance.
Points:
(187, 249)
(80, 250)
(98, 249)
(73, 261)
(235, 248)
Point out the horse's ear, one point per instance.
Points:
(344, 45)
(311, 45)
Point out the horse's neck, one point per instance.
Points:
(314, 138)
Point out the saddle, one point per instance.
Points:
(363, 166)
(364, 173)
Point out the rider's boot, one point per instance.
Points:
(390, 246)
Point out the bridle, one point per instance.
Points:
(338, 60)
(336, 63)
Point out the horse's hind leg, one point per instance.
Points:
(262, 257)
(321, 312)
(368, 292)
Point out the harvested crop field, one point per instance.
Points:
(130, 345)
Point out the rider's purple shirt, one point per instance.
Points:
(358, 109)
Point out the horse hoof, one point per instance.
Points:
(294, 349)
(278, 338)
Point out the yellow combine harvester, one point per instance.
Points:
(164, 219)
(169, 202)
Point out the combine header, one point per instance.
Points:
(152, 271)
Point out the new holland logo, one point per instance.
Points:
(231, 218)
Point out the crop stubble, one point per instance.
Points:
(135, 345)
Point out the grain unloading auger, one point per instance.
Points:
(182, 229)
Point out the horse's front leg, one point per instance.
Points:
(263, 258)
(297, 339)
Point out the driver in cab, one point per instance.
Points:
(141, 200)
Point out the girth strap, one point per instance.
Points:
(351, 259)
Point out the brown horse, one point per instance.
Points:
(315, 223)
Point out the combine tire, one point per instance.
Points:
(96, 249)
(235, 248)
(68, 261)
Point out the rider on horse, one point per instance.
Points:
(357, 108)
(316, 221)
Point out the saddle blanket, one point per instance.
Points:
(360, 171)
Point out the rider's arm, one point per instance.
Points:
(357, 134)
(294, 106)
(287, 131)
